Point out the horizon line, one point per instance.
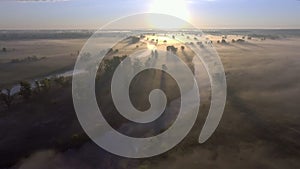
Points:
(81, 29)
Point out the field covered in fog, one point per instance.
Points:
(259, 129)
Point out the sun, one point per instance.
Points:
(176, 8)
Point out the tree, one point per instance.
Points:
(7, 97)
(25, 90)
(135, 39)
(240, 41)
(61, 81)
(111, 64)
(45, 84)
(142, 36)
(171, 49)
(37, 86)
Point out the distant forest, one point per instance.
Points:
(44, 34)
(78, 34)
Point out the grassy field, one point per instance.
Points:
(58, 56)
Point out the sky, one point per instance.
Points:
(205, 14)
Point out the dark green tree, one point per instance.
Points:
(7, 97)
(37, 86)
(61, 81)
(25, 90)
(111, 64)
(45, 84)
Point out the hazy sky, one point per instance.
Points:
(91, 14)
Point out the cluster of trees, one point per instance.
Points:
(111, 64)
(242, 40)
(237, 41)
(142, 36)
(200, 44)
(7, 97)
(222, 41)
(155, 40)
(27, 59)
(134, 39)
(172, 49)
(27, 90)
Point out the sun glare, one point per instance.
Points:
(176, 8)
